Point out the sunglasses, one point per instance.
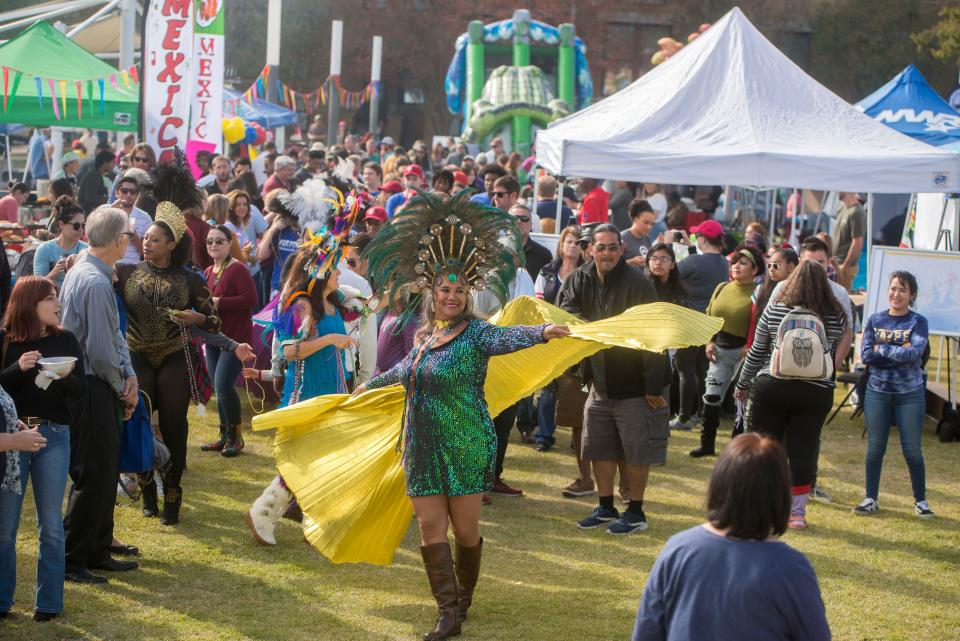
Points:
(140, 159)
(353, 262)
(498, 194)
(128, 234)
(215, 241)
(77, 226)
(774, 265)
(522, 219)
(126, 191)
(612, 247)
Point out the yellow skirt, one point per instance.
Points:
(339, 456)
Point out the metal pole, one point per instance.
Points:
(374, 124)
(333, 99)
(562, 183)
(96, 16)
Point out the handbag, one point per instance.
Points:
(136, 440)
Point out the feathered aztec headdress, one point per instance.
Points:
(315, 201)
(454, 238)
(173, 188)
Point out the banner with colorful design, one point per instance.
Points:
(310, 102)
(206, 109)
(167, 45)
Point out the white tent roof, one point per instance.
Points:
(731, 109)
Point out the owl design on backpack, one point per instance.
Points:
(802, 352)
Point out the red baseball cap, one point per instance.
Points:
(460, 178)
(392, 187)
(413, 169)
(708, 228)
(376, 213)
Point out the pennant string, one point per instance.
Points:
(16, 84)
(100, 85)
(79, 100)
(63, 97)
(39, 91)
(53, 99)
(6, 79)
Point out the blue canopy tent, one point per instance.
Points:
(266, 114)
(911, 106)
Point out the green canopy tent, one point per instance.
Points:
(41, 56)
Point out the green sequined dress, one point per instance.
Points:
(450, 445)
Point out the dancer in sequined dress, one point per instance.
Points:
(448, 437)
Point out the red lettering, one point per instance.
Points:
(204, 89)
(172, 90)
(162, 138)
(207, 45)
(201, 130)
(169, 72)
(203, 110)
(171, 39)
(206, 67)
(177, 7)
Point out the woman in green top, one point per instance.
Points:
(731, 301)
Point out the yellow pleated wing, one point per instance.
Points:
(339, 457)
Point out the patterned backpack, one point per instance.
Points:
(801, 351)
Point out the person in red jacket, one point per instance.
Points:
(596, 203)
(234, 296)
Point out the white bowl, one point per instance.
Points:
(60, 365)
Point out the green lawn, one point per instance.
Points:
(891, 576)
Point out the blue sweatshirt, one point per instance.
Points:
(894, 367)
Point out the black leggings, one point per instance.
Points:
(691, 364)
(168, 387)
(503, 425)
(793, 411)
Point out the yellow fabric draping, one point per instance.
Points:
(338, 455)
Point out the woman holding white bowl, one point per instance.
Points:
(31, 335)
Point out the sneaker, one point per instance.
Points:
(797, 522)
(676, 423)
(867, 506)
(598, 517)
(502, 489)
(544, 447)
(923, 510)
(820, 495)
(627, 523)
(580, 487)
(486, 500)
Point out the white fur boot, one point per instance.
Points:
(267, 510)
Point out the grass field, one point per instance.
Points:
(890, 576)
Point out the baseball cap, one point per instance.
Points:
(392, 187)
(708, 228)
(413, 170)
(318, 146)
(376, 213)
(460, 178)
(69, 157)
(387, 140)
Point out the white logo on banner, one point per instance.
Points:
(934, 121)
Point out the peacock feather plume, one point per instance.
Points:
(432, 237)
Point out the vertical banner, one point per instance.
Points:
(167, 48)
(206, 109)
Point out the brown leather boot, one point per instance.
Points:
(468, 569)
(443, 583)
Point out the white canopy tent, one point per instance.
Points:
(731, 109)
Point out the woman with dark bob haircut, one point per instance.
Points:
(731, 578)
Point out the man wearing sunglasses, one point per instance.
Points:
(128, 190)
(536, 255)
(626, 413)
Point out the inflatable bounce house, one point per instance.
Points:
(512, 77)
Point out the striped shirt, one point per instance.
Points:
(758, 358)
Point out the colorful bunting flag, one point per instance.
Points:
(53, 99)
(79, 100)
(39, 92)
(100, 85)
(6, 79)
(63, 97)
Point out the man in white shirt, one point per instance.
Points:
(128, 190)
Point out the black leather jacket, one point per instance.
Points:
(625, 373)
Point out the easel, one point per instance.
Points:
(944, 235)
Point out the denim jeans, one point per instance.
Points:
(47, 468)
(547, 408)
(224, 368)
(881, 409)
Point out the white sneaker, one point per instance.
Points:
(677, 424)
(923, 510)
(867, 506)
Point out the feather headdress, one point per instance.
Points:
(314, 201)
(454, 238)
(173, 188)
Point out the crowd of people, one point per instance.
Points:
(155, 280)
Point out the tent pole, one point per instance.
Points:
(9, 158)
(560, 187)
(868, 241)
(274, 9)
(536, 194)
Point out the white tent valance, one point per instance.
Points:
(731, 109)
